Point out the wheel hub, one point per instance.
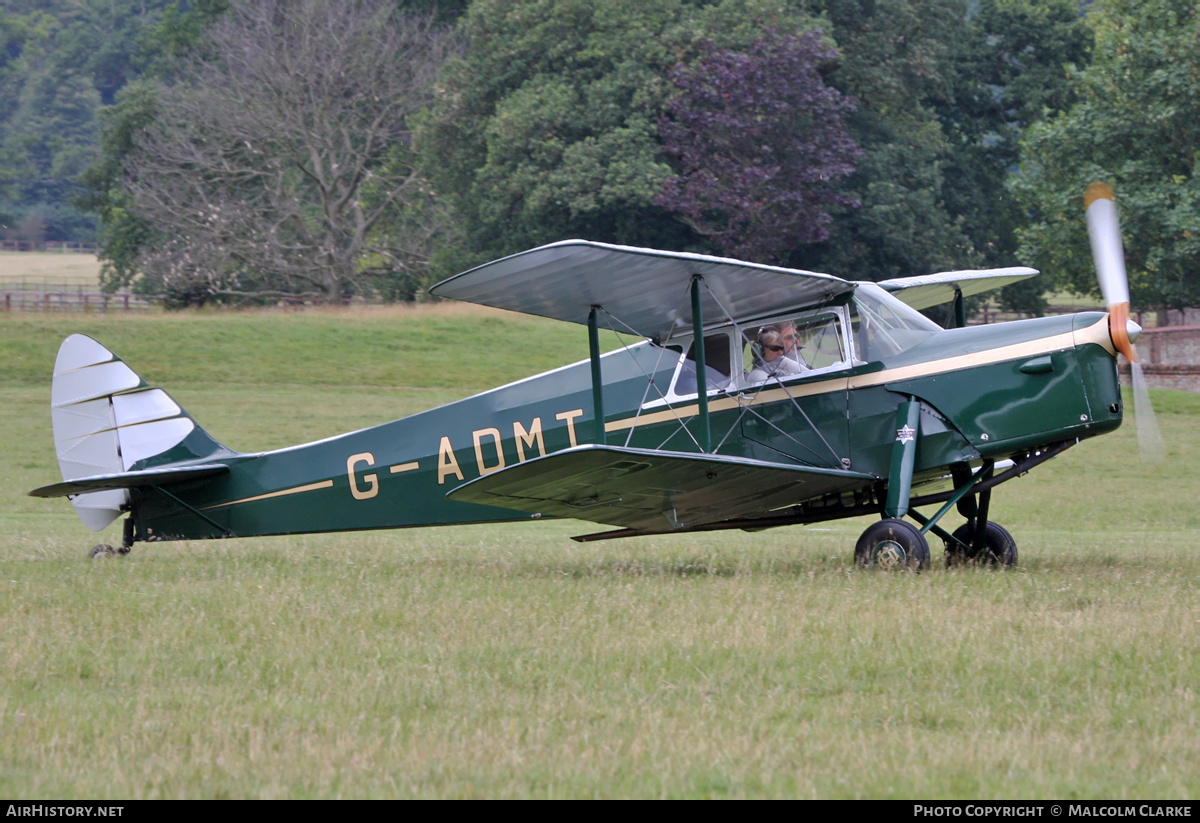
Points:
(889, 555)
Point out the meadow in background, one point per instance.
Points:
(509, 661)
(58, 267)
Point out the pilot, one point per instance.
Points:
(769, 358)
(791, 340)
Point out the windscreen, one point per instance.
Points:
(884, 326)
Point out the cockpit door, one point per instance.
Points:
(799, 416)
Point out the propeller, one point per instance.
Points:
(1104, 233)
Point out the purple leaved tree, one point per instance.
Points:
(759, 140)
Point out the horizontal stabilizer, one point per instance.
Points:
(652, 490)
(927, 290)
(128, 480)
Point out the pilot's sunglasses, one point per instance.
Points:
(773, 348)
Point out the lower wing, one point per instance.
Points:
(652, 490)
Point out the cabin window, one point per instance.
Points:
(883, 326)
(716, 362)
(811, 342)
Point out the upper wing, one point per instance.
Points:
(927, 290)
(645, 289)
(652, 490)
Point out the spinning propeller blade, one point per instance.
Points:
(1104, 233)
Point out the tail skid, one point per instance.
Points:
(114, 432)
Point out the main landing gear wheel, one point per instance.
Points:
(997, 549)
(892, 544)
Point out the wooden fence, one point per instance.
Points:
(56, 246)
(32, 294)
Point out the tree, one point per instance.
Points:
(60, 61)
(278, 161)
(1136, 125)
(1011, 71)
(47, 129)
(896, 61)
(760, 139)
(122, 234)
(547, 127)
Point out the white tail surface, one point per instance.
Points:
(106, 419)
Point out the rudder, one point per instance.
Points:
(108, 420)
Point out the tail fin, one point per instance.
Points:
(109, 421)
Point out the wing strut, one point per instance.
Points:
(704, 441)
(597, 381)
(701, 377)
(960, 309)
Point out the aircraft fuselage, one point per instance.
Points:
(984, 392)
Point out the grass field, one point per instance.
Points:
(512, 662)
(49, 267)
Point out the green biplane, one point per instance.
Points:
(881, 411)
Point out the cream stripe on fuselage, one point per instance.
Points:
(309, 487)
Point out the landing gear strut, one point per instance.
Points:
(978, 541)
(893, 543)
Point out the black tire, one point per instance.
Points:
(101, 550)
(999, 549)
(892, 544)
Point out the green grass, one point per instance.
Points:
(509, 661)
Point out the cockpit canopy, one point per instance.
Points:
(865, 326)
(884, 326)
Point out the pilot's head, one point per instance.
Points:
(770, 344)
(787, 330)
